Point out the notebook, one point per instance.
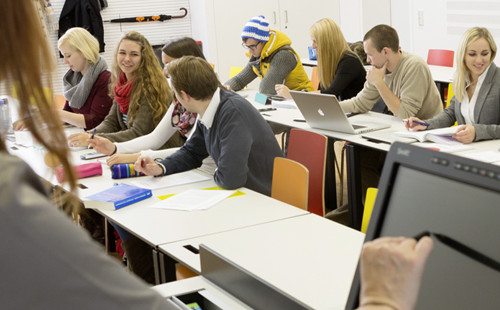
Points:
(323, 111)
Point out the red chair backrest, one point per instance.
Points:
(440, 57)
(309, 149)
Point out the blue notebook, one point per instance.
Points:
(117, 197)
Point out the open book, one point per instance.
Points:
(440, 135)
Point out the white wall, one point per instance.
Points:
(442, 22)
(156, 32)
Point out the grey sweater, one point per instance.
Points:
(282, 63)
(240, 142)
(48, 262)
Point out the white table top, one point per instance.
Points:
(308, 257)
(157, 226)
(442, 74)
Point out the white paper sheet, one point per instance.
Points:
(193, 200)
(171, 180)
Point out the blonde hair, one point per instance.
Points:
(24, 60)
(462, 74)
(82, 41)
(331, 46)
(149, 81)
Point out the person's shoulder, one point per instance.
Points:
(412, 59)
(104, 78)
(350, 59)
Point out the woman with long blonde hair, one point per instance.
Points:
(340, 71)
(476, 104)
(141, 94)
(44, 254)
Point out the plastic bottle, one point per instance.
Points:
(5, 123)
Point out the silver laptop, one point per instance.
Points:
(323, 111)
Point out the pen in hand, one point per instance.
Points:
(92, 137)
(419, 123)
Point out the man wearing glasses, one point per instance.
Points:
(272, 60)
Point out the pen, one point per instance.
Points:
(267, 109)
(143, 162)
(91, 137)
(420, 123)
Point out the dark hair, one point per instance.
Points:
(194, 76)
(359, 50)
(182, 47)
(383, 36)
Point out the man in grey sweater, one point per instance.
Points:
(230, 130)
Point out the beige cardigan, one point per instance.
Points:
(114, 129)
(411, 82)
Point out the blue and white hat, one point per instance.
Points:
(257, 28)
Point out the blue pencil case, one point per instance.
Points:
(121, 171)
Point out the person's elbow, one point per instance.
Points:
(229, 181)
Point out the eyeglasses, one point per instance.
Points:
(250, 47)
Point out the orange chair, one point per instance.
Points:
(309, 149)
(290, 182)
(438, 57)
(315, 78)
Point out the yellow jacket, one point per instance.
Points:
(297, 79)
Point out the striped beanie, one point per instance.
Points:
(257, 28)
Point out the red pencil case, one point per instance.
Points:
(82, 171)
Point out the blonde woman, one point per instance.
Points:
(339, 69)
(476, 104)
(86, 83)
(141, 95)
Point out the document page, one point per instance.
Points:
(171, 180)
(193, 199)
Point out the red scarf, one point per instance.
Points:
(122, 92)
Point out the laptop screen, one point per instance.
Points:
(455, 199)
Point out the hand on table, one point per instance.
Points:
(122, 159)
(465, 134)
(148, 166)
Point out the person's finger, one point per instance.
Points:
(409, 243)
(424, 247)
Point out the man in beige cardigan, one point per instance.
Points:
(401, 79)
(404, 83)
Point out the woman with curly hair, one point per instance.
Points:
(177, 118)
(141, 94)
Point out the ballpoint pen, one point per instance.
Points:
(92, 137)
(93, 134)
(419, 122)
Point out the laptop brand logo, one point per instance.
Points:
(403, 152)
(320, 112)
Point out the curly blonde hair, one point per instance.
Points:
(149, 81)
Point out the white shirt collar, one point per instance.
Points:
(208, 116)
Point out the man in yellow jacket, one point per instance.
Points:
(272, 60)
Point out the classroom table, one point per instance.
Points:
(308, 257)
(356, 143)
(159, 226)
